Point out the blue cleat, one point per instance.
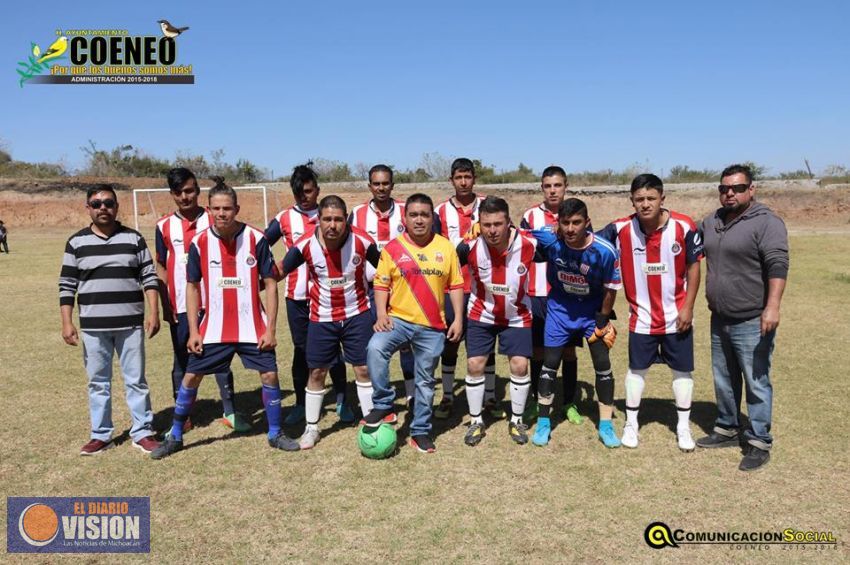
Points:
(542, 432)
(346, 416)
(295, 416)
(607, 435)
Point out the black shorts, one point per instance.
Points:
(674, 350)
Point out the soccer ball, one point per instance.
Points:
(377, 443)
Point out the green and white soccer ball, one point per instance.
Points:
(377, 443)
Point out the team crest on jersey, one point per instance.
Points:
(676, 248)
(422, 256)
(250, 260)
(355, 260)
(584, 268)
(400, 228)
(438, 257)
(521, 270)
(402, 259)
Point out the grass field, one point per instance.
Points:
(233, 499)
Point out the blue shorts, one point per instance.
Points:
(450, 312)
(538, 324)
(561, 331)
(481, 340)
(216, 358)
(675, 350)
(298, 316)
(326, 337)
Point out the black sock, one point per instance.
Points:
(300, 374)
(569, 370)
(225, 389)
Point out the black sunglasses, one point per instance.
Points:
(96, 204)
(737, 188)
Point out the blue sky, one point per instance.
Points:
(584, 84)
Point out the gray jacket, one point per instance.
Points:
(741, 256)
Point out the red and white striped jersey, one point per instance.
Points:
(654, 269)
(500, 281)
(339, 280)
(381, 227)
(291, 224)
(230, 274)
(174, 234)
(454, 223)
(538, 218)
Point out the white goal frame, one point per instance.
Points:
(246, 187)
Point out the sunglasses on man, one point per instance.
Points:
(736, 188)
(96, 204)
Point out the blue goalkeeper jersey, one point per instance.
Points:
(577, 277)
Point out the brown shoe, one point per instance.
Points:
(146, 444)
(96, 446)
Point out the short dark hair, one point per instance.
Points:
(647, 180)
(493, 205)
(571, 207)
(419, 198)
(381, 169)
(301, 175)
(738, 169)
(553, 170)
(179, 176)
(463, 165)
(222, 189)
(333, 201)
(95, 188)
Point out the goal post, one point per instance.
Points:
(149, 191)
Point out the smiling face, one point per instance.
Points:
(647, 202)
(381, 186)
(732, 201)
(418, 220)
(224, 211)
(186, 197)
(333, 225)
(103, 209)
(495, 228)
(574, 229)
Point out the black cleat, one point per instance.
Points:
(284, 442)
(474, 434)
(715, 439)
(756, 458)
(168, 447)
(518, 432)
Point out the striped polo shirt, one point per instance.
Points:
(108, 276)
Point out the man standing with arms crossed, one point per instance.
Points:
(746, 250)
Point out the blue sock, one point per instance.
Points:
(182, 409)
(271, 401)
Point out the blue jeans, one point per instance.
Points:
(740, 356)
(426, 344)
(98, 349)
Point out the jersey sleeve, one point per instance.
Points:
(384, 273)
(161, 248)
(455, 277)
(438, 224)
(694, 250)
(463, 253)
(609, 233)
(611, 272)
(292, 260)
(373, 256)
(193, 265)
(265, 259)
(273, 232)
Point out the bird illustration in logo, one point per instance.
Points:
(56, 50)
(169, 30)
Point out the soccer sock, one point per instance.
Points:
(364, 394)
(449, 379)
(490, 378)
(546, 391)
(683, 388)
(569, 370)
(519, 395)
(338, 378)
(536, 367)
(634, 390)
(271, 402)
(313, 406)
(409, 387)
(182, 409)
(475, 397)
(300, 374)
(225, 389)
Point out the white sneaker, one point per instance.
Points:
(630, 436)
(686, 442)
(310, 438)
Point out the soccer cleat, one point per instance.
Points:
(379, 416)
(607, 435)
(444, 410)
(755, 458)
(147, 444)
(715, 439)
(531, 412)
(295, 416)
(96, 447)
(630, 436)
(169, 447)
(686, 442)
(474, 434)
(423, 443)
(236, 422)
(309, 438)
(284, 443)
(518, 432)
(491, 405)
(572, 415)
(346, 416)
(542, 431)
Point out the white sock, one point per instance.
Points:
(490, 382)
(475, 397)
(313, 405)
(364, 395)
(519, 395)
(683, 390)
(448, 381)
(409, 388)
(634, 390)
